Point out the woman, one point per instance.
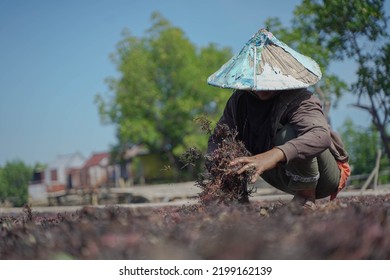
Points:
(280, 122)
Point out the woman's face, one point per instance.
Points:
(266, 94)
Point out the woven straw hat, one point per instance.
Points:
(265, 63)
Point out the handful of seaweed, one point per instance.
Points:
(221, 183)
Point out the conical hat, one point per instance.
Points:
(265, 63)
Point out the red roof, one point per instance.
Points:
(95, 159)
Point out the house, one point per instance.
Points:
(100, 170)
(97, 171)
(64, 173)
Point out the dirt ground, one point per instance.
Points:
(354, 227)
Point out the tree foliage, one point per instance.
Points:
(362, 145)
(356, 30)
(14, 178)
(161, 89)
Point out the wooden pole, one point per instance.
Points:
(374, 173)
(377, 165)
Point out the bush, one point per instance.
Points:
(14, 178)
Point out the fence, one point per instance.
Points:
(365, 181)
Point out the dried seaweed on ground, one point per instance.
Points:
(355, 227)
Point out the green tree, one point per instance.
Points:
(357, 30)
(161, 89)
(362, 145)
(14, 178)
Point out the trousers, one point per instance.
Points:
(320, 173)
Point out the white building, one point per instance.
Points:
(60, 175)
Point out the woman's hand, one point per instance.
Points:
(261, 162)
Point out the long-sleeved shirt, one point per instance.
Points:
(257, 123)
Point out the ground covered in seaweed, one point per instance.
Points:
(347, 228)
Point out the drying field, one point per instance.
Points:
(355, 227)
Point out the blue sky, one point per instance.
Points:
(54, 58)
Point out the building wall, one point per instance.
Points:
(37, 194)
(61, 168)
(97, 176)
